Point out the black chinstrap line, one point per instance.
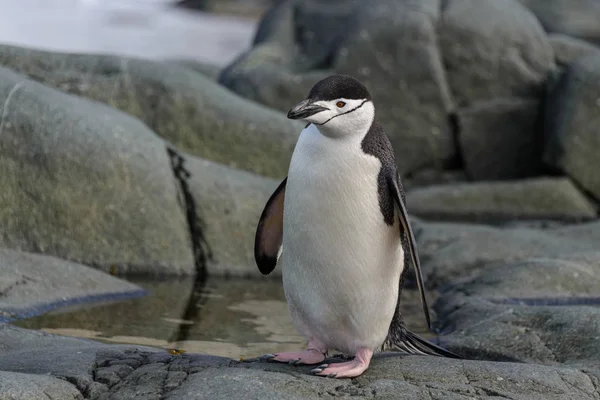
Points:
(339, 115)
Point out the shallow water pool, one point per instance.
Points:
(226, 317)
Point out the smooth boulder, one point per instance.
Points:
(87, 183)
(500, 201)
(572, 121)
(493, 48)
(186, 108)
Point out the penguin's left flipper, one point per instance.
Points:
(269, 233)
(392, 180)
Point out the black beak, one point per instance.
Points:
(305, 109)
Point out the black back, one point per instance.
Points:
(338, 86)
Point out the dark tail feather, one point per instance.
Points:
(414, 344)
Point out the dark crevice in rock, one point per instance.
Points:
(549, 301)
(201, 248)
(457, 162)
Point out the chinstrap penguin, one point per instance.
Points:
(338, 227)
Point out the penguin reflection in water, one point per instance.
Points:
(338, 227)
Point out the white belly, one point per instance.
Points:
(341, 263)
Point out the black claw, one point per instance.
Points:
(331, 375)
(295, 361)
(267, 357)
(323, 366)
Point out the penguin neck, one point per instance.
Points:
(353, 125)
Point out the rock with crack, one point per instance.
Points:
(516, 294)
(228, 204)
(17, 386)
(299, 41)
(501, 201)
(572, 119)
(31, 284)
(103, 372)
(87, 183)
(186, 108)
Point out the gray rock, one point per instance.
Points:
(188, 109)
(501, 139)
(572, 123)
(24, 293)
(142, 373)
(293, 46)
(451, 252)
(568, 49)
(86, 183)
(16, 386)
(566, 335)
(405, 77)
(229, 203)
(259, 78)
(577, 18)
(534, 199)
(211, 71)
(493, 48)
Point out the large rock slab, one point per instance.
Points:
(572, 123)
(86, 183)
(394, 51)
(229, 203)
(501, 139)
(516, 294)
(16, 386)
(301, 41)
(453, 251)
(528, 199)
(141, 373)
(31, 284)
(188, 109)
(578, 18)
(493, 48)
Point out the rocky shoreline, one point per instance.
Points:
(114, 166)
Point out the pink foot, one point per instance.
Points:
(348, 369)
(313, 355)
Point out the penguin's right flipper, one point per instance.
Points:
(415, 344)
(269, 233)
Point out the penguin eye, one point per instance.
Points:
(340, 104)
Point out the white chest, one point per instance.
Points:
(341, 262)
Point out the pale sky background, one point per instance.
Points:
(140, 28)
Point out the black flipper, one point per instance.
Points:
(269, 233)
(414, 344)
(392, 180)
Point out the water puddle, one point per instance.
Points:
(225, 317)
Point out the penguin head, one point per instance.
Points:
(338, 105)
